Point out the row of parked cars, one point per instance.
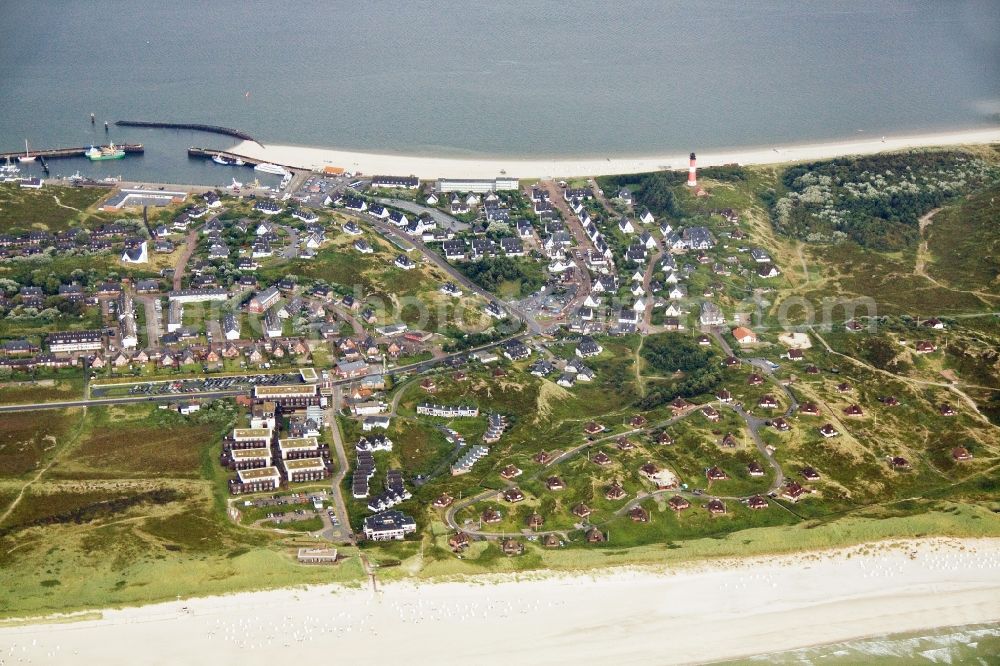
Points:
(211, 384)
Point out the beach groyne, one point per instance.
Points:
(196, 127)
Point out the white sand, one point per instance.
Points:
(719, 610)
(440, 167)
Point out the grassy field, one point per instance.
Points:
(42, 390)
(125, 515)
(52, 208)
(27, 442)
(964, 244)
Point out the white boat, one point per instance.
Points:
(264, 167)
(76, 177)
(218, 158)
(8, 168)
(236, 184)
(26, 157)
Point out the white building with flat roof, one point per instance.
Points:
(476, 184)
(291, 446)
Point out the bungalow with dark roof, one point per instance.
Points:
(511, 547)
(459, 541)
(638, 515)
(513, 495)
(961, 454)
(716, 507)
(899, 463)
(491, 516)
(542, 458)
(614, 492)
(715, 473)
(444, 500)
(792, 491)
(767, 401)
(678, 503)
(757, 502)
(601, 458)
(827, 430)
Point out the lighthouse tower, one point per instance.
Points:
(692, 175)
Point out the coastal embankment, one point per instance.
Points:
(490, 167)
(724, 609)
(195, 127)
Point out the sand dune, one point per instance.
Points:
(440, 167)
(713, 611)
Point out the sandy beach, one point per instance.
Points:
(713, 611)
(302, 157)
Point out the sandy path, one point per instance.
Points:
(190, 244)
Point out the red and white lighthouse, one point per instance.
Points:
(692, 173)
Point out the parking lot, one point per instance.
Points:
(206, 385)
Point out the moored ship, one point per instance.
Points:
(109, 152)
(219, 158)
(264, 167)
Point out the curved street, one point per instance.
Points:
(753, 424)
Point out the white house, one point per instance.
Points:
(136, 254)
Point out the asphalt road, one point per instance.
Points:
(413, 368)
(96, 402)
(456, 275)
(439, 216)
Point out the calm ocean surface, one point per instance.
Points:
(514, 78)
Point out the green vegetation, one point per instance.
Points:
(964, 244)
(125, 516)
(506, 276)
(311, 524)
(688, 368)
(52, 208)
(874, 200)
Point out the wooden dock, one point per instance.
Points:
(58, 153)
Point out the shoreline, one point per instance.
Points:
(430, 167)
(748, 607)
